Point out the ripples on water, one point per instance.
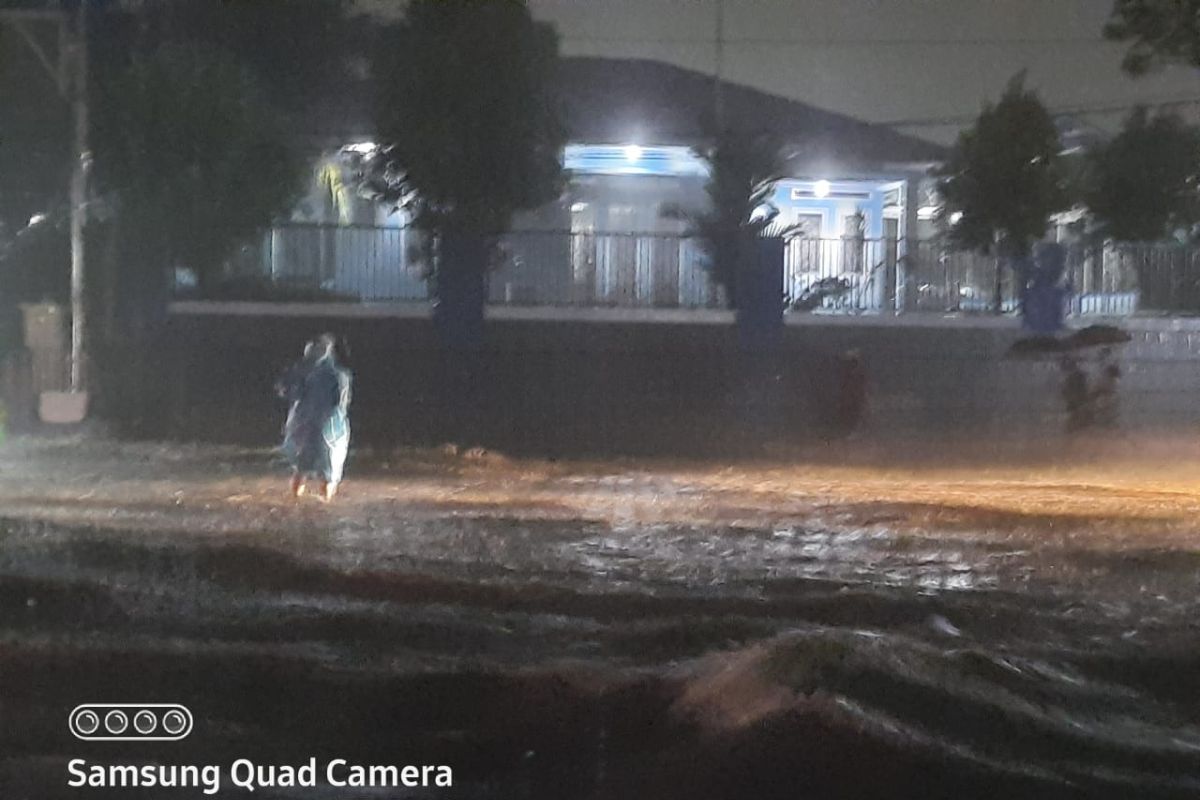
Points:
(950, 658)
(1047, 716)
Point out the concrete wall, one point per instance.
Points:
(934, 375)
(653, 383)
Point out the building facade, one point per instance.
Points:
(850, 201)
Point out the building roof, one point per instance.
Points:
(620, 100)
(617, 101)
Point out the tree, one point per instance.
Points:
(1158, 32)
(198, 162)
(468, 113)
(263, 37)
(297, 49)
(34, 136)
(743, 171)
(1005, 175)
(1144, 184)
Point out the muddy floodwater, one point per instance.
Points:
(841, 622)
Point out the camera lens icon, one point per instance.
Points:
(174, 722)
(86, 722)
(115, 722)
(144, 722)
(131, 722)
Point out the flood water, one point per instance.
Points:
(820, 626)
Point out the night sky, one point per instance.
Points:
(883, 60)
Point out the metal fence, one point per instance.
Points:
(840, 274)
(585, 269)
(1114, 279)
(353, 262)
(529, 268)
(602, 270)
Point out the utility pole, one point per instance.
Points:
(68, 69)
(79, 191)
(718, 83)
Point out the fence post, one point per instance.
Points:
(998, 292)
(912, 243)
(272, 247)
(760, 296)
(759, 322)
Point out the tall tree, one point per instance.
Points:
(1144, 184)
(1158, 32)
(34, 135)
(468, 113)
(262, 37)
(299, 50)
(1005, 175)
(198, 160)
(35, 166)
(743, 171)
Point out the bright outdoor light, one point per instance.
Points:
(956, 217)
(633, 152)
(821, 189)
(578, 207)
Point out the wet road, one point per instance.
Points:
(1022, 622)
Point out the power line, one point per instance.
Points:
(725, 41)
(1083, 109)
(814, 42)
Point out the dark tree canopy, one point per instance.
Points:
(197, 159)
(468, 111)
(34, 136)
(1158, 32)
(1005, 175)
(1144, 184)
(294, 51)
(297, 49)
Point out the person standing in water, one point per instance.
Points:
(316, 436)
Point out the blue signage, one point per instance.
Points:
(633, 159)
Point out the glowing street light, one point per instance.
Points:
(821, 189)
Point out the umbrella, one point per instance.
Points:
(1097, 336)
(1083, 339)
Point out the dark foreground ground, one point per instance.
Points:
(836, 624)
